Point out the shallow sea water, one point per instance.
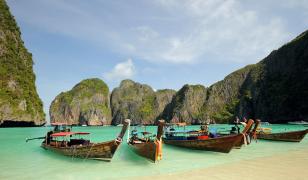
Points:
(21, 160)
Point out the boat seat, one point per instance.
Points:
(137, 142)
(78, 142)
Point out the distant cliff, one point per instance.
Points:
(138, 102)
(87, 103)
(187, 105)
(276, 89)
(162, 103)
(223, 97)
(20, 104)
(273, 90)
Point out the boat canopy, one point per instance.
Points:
(59, 134)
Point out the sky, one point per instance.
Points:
(162, 43)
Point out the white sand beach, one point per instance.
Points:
(292, 165)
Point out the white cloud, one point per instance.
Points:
(167, 31)
(220, 31)
(121, 71)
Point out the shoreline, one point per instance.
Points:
(288, 165)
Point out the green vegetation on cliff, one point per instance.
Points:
(134, 101)
(147, 108)
(19, 100)
(86, 103)
(187, 105)
(88, 87)
(281, 92)
(227, 112)
(274, 90)
(223, 96)
(138, 102)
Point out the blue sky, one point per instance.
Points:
(165, 44)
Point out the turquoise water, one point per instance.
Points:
(21, 160)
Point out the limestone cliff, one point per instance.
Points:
(223, 96)
(274, 90)
(162, 103)
(277, 87)
(187, 105)
(87, 103)
(20, 104)
(138, 102)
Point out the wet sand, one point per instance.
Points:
(292, 165)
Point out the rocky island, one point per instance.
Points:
(20, 104)
(86, 104)
(138, 102)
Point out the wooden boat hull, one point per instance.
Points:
(239, 144)
(295, 136)
(100, 151)
(221, 144)
(152, 150)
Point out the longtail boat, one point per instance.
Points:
(146, 146)
(293, 136)
(203, 142)
(80, 147)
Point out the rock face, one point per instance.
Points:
(223, 96)
(273, 90)
(162, 102)
(87, 103)
(187, 105)
(138, 102)
(20, 104)
(276, 90)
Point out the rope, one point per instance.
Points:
(245, 140)
(248, 139)
(74, 150)
(89, 152)
(128, 129)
